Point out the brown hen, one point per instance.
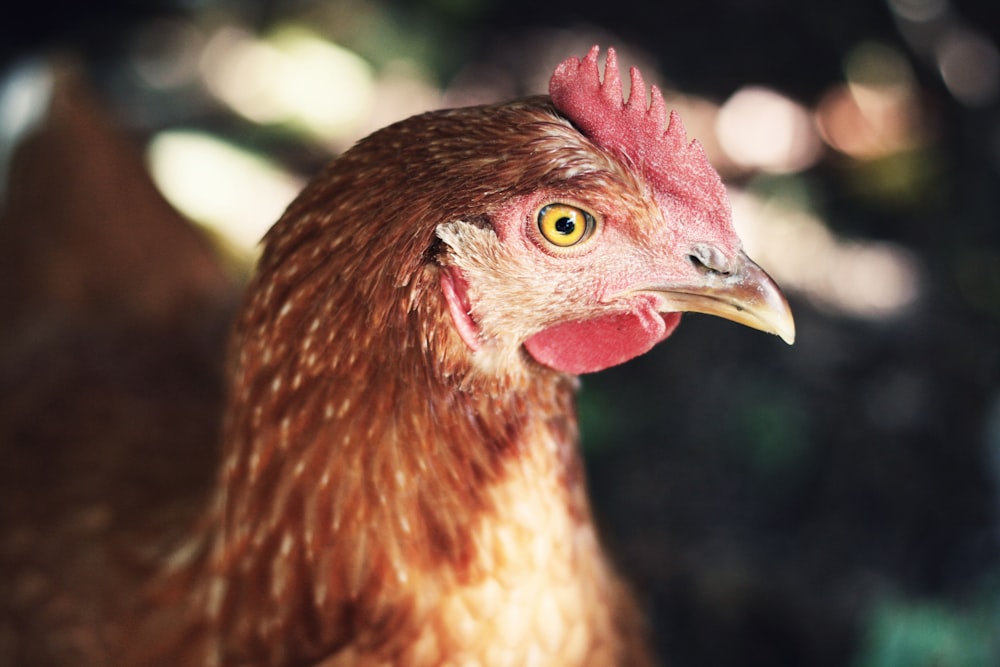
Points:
(400, 481)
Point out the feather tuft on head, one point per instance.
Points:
(639, 134)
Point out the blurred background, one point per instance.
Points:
(831, 503)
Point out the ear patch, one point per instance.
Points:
(456, 294)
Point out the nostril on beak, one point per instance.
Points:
(709, 259)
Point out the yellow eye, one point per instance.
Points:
(564, 225)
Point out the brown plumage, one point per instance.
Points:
(115, 312)
(400, 481)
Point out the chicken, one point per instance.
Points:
(400, 481)
(115, 313)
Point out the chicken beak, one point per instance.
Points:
(743, 293)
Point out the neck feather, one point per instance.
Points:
(361, 450)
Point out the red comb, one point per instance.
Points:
(639, 134)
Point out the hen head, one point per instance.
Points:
(406, 349)
(630, 227)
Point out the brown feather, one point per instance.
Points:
(380, 499)
(368, 466)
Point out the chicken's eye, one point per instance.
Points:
(564, 225)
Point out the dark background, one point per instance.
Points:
(832, 503)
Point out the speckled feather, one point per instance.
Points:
(371, 502)
(400, 479)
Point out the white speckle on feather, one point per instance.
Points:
(328, 411)
(319, 593)
(183, 555)
(278, 584)
(276, 384)
(307, 541)
(344, 407)
(286, 423)
(216, 591)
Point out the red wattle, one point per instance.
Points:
(593, 345)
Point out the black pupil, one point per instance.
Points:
(565, 225)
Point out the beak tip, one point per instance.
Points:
(772, 307)
(782, 324)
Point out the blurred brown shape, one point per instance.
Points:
(113, 313)
(84, 232)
